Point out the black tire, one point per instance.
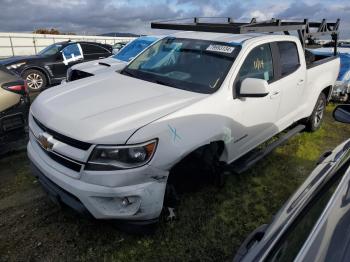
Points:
(36, 80)
(314, 122)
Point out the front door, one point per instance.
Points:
(71, 55)
(256, 116)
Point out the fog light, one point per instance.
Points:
(125, 202)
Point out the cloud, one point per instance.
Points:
(101, 16)
(318, 11)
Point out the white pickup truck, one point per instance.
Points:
(115, 144)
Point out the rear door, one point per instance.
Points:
(93, 51)
(292, 78)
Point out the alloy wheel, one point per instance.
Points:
(34, 81)
(319, 113)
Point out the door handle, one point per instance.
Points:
(300, 82)
(275, 94)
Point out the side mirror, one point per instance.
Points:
(253, 87)
(342, 114)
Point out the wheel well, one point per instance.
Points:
(40, 70)
(199, 167)
(327, 91)
(215, 147)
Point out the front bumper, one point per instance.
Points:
(138, 202)
(14, 120)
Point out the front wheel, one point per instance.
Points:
(36, 80)
(314, 122)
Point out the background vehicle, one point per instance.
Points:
(341, 90)
(113, 63)
(313, 224)
(118, 46)
(14, 105)
(50, 65)
(189, 104)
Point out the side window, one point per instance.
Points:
(72, 53)
(289, 57)
(258, 64)
(91, 49)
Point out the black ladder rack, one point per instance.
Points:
(305, 29)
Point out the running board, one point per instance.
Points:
(247, 161)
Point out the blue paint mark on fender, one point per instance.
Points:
(174, 133)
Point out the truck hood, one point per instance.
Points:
(109, 108)
(100, 66)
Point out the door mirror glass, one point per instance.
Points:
(342, 114)
(253, 87)
(72, 53)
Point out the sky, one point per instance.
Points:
(134, 16)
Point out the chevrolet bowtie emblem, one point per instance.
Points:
(43, 140)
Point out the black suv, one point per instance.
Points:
(50, 65)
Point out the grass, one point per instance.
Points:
(212, 223)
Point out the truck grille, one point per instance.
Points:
(64, 161)
(67, 162)
(67, 140)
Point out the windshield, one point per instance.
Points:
(50, 50)
(134, 48)
(190, 64)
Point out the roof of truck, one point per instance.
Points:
(220, 37)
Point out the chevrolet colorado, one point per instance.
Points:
(190, 102)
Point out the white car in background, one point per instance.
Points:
(112, 63)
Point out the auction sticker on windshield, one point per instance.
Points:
(221, 48)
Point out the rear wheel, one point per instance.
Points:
(36, 80)
(315, 120)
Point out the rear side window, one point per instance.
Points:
(258, 64)
(90, 49)
(289, 57)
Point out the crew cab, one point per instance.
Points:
(115, 145)
(113, 63)
(313, 224)
(50, 65)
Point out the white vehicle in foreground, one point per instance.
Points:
(188, 103)
(112, 63)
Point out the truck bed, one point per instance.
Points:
(313, 60)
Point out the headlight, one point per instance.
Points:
(15, 66)
(121, 157)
